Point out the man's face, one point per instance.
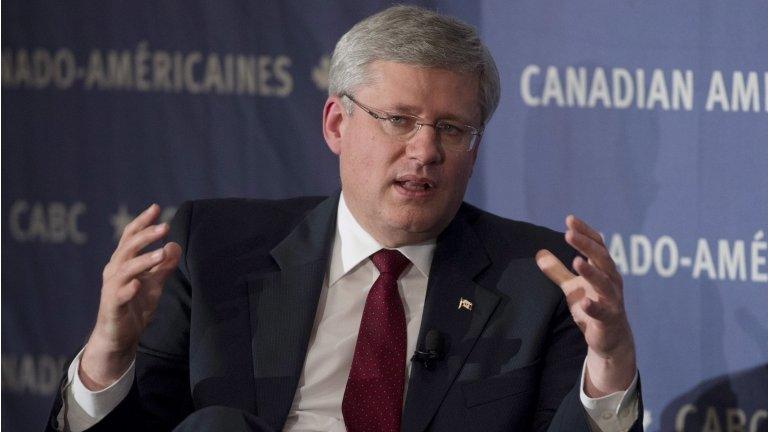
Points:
(403, 192)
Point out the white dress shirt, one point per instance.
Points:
(317, 402)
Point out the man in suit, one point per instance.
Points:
(302, 314)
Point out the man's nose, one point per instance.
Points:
(424, 145)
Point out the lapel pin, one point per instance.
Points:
(465, 304)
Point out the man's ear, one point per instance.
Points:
(333, 123)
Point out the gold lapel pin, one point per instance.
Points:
(465, 304)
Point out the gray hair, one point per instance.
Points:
(416, 36)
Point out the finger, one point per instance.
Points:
(138, 265)
(127, 292)
(596, 253)
(579, 316)
(595, 309)
(597, 279)
(574, 223)
(575, 290)
(138, 241)
(553, 268)
(141, 221)
(160, 271)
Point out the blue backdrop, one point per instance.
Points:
(648, 119)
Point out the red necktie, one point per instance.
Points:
(373, 399)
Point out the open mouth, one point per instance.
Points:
(416, 186)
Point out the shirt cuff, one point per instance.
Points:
(615, 412)
(84, 408)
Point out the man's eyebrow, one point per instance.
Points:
(402, 108)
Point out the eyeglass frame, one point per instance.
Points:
(475, 132)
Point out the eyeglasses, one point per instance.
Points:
(453, 135)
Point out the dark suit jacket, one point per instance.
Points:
(233, 323)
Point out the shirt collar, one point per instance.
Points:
(353, 245)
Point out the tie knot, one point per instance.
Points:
(390, 261)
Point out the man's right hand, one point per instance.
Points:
(132, 284)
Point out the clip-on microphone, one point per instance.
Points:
(433, 350)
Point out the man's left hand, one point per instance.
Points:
(596, 300)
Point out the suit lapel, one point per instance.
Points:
(282, 310)
(459, 258)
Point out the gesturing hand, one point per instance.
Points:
(596, 300)
(132, 284)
